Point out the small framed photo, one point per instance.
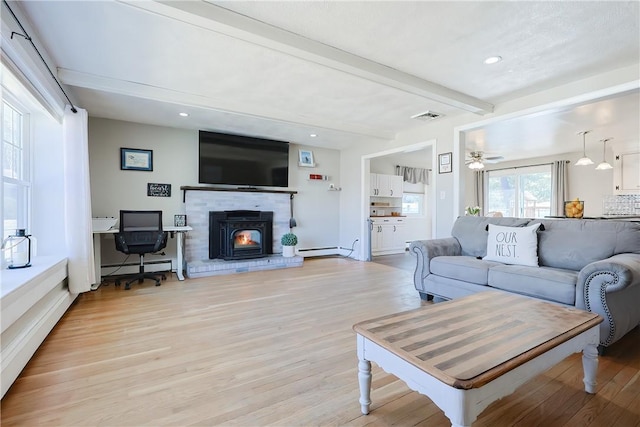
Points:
(444, 163)
(136, 160)
(180, 220)
(306, 158)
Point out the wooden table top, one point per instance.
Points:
(470, 341)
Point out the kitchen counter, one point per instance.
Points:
(605, 217)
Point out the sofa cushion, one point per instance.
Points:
(471, 232)
(553, 284)
(513, 245)
(572, 244)
(465, 268)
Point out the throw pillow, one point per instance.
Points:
(513, 245)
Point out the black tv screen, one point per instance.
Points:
(242, 160)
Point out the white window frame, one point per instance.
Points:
(421, 204)
(25, 180)
(518, 171)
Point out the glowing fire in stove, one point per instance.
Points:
(244, 238)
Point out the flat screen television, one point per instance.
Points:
(242, 160)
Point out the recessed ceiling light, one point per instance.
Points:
(184, 114)
(492, 60)
(313, 135)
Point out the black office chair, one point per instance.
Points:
(141, 233)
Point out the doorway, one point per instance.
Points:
(417, 225)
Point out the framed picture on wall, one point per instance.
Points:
(444, 163)
(136, 160)
(306, 158)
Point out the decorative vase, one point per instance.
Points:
(288, 251)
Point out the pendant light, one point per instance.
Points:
(604, 165)
(584, 161)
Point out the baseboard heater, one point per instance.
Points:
(134, 267)
(329, 250)
(309, 252)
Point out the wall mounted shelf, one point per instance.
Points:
(186, 188)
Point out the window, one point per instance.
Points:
(15, 170)
(523, 192)
(412, 204)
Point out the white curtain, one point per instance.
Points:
(559, 186)
(77, 201)
(413, 175)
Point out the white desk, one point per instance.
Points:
(178, 231)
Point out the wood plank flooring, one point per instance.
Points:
(271, 348)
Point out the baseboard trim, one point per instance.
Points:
(17, 353)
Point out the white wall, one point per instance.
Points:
(175, 162)
(315, 208)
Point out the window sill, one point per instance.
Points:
(41, 267)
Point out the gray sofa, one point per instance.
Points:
(593, 265)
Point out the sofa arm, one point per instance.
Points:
(611, 288)
(426, 250)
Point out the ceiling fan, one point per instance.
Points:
(477, 160)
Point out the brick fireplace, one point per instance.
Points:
(201, 201)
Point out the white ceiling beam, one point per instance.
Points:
(224, 21)
(161, 94)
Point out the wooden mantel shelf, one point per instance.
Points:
(186, 188)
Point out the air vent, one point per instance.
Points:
(427, 116)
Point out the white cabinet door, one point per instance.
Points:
(379, 185)
(373, 184)
(385, 185)
(395, 186)
(399, 238)
(376, 238)
(387, 236)
(629, 173)
(626, 168)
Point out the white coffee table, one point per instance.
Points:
(467, 353)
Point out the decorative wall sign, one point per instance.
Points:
(135, 159)
(444, 163)
(180, 220)
(158, 190)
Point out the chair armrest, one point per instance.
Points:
(161, 241)
(611, 288)
(121, 243)
(612, 274)
(426, 250)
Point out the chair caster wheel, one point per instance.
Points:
(117, 282)
(158, 283)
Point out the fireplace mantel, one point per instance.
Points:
(186, 188)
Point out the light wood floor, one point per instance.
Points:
(271, 348)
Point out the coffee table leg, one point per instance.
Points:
(364, 378)
(590, 367)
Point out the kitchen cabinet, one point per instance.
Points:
(626, 169)
(388, 236)
(385, 185)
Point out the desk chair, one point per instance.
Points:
(141, 233)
